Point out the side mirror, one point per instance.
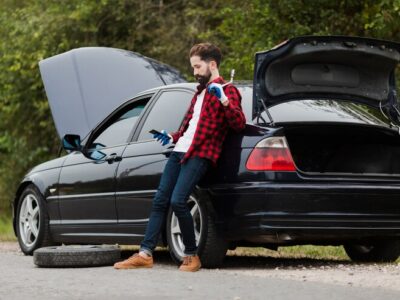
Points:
(72, 142)
(95, 154)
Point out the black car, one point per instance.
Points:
(318, 162)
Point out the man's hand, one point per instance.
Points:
(163, 137)
(217, 90)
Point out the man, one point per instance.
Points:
(198, 143)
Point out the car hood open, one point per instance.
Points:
(85, 85)
(326, 67)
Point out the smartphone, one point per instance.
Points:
(153, 131)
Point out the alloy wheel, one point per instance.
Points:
(176, 235)
(28, 222)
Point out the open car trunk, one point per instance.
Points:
(360, 70)
(344, 149)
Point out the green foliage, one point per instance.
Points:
(6, 229)
(162, 29)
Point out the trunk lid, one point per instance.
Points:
(327, 67)
(84, 85)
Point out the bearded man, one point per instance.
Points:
(214, 109)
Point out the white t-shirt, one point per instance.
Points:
(186, 139)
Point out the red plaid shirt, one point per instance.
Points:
(214, 122)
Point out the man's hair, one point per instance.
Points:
(206, 52)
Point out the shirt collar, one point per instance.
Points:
(201, 87)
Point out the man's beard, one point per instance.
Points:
(203, 79)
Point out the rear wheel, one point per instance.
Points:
(211, 246)
(32, 221)
(382, 251)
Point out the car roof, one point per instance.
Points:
(191, 86)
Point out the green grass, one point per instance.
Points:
(331, 253)
(6, 229)
(306, 251)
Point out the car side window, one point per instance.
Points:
(167, 113)
(121, 125)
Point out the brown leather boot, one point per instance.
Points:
(190, 264)
(134, 262)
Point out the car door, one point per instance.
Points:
(144, 159)
(87, 187)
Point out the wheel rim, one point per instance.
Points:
(176, 235)
(29, 217)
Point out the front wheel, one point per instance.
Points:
(32, 222)
(382, 251)
(211, 246)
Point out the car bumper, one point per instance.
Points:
(295, 212)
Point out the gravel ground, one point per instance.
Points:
(240, 278)
(340, 273)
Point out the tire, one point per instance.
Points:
(382, 251)
(32, 221)
(77, 256)
(211, 246)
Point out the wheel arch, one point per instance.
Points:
(204, 193)
(20, 189)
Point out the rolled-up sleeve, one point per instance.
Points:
(176, 136)
(233, 111)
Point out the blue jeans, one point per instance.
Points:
(177, 183)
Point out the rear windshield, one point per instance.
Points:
(326, 111)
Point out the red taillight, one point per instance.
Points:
(271, 154)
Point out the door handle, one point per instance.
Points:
(112, 158)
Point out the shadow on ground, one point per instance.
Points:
(257, 262)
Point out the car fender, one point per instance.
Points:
(47, 184)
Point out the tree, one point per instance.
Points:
(162, 29)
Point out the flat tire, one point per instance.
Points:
(77, 256)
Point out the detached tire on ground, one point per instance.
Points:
(77, 256)
(382, 251)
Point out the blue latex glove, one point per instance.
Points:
(164, 138)
(217, 90)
